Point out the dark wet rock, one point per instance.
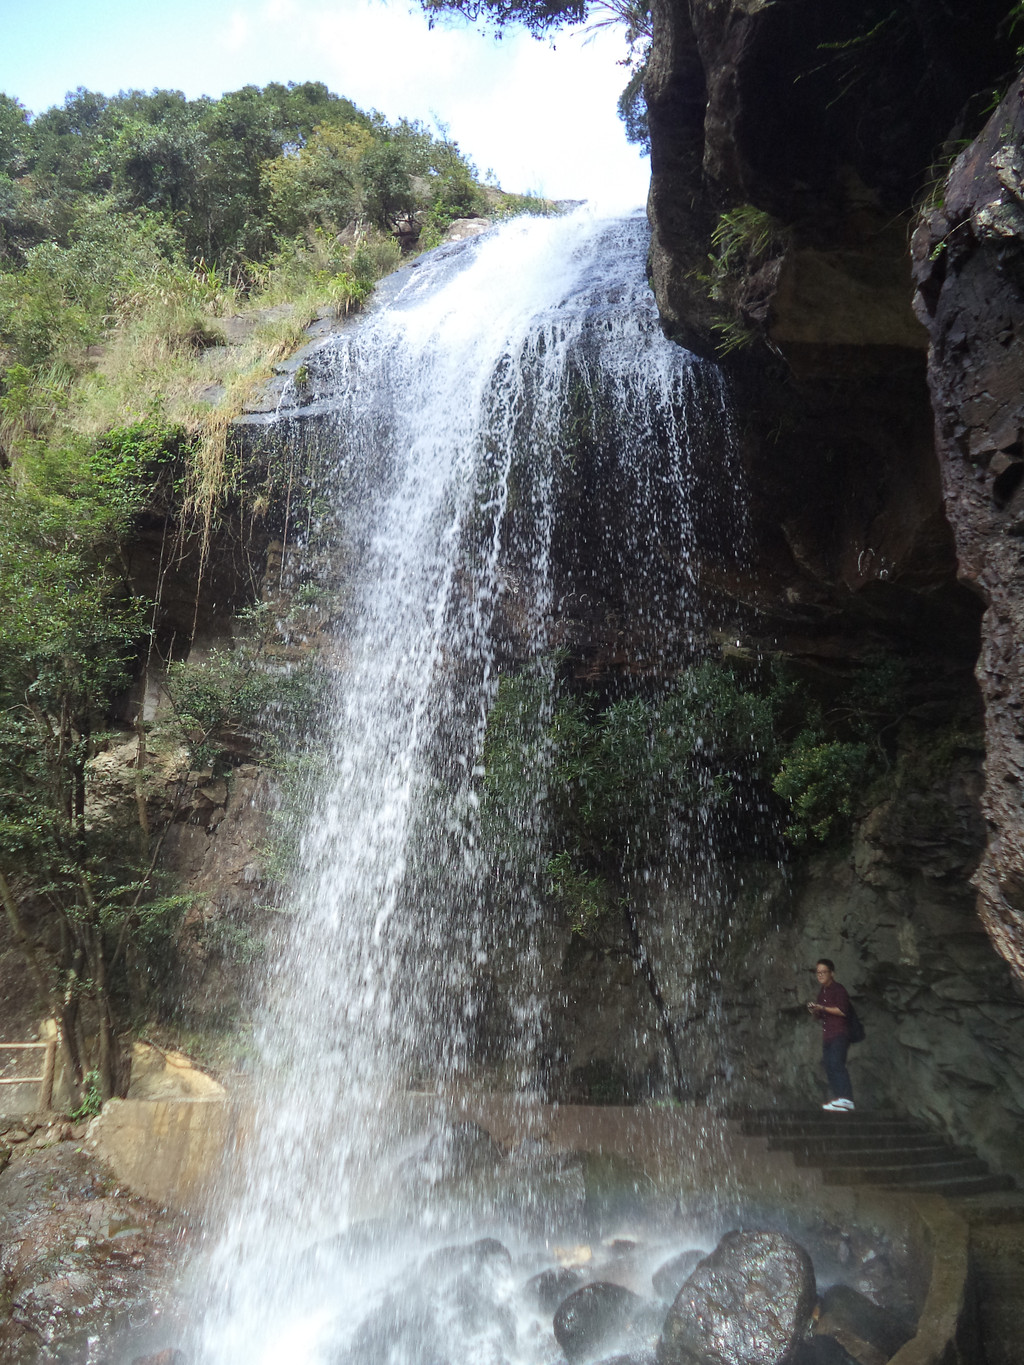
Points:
(359, 1240)
(748, 1303)
(485, 1256)
(634, 1358)
(855, 1321)
(548, 1289)
(598, 1315)
(458, 1299)
(968, 264)
(818, 1350)
(461, 1150)
(78, 1256)
(403, 1328)
(669, 1278)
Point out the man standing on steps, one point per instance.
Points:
(832, 1007)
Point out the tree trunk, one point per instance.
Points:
(25, 944)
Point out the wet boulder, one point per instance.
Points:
(455, 1306)
(457, 1152)
(598, 1316)
(486, 1257)
(548, 1289)
(857, 1323)
(749, 1303)
(402, 1328)
(823, 1351)
(669, 1278)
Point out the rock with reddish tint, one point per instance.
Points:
(168, 1357)
(598, 1317)
(749, 1303)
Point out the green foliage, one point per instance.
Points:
(70, 635)
(605, 793)
(620, 787)
(584, 899)
(742, 237)
(92, 1099)
(319, 182)
(821, 779)
(244, 697)
(538, 16)
(632, 109)
(387, 184)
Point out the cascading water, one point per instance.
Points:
(453, 483)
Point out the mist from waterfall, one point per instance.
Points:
(448, 451)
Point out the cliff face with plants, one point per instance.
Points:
(158, 257)
(836, 214)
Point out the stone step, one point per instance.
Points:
(799, 1116)
(912, 1176)
(993, 1210)
(870, 1148)
(922, 1159)
(827, 1126)
(863, 1142)
(962, 1189)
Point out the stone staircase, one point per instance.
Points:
(863, 1148)
(880, 1149)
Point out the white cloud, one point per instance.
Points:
(238, 32)
(541, 116)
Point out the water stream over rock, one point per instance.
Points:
(453, 415)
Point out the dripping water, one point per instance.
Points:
(513, 450)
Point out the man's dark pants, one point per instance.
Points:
(833, 1054)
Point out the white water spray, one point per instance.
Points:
(449, 421)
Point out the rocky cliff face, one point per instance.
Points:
(886, 466)
(969, 265)
(832, 123)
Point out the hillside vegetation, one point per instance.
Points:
(138, 234)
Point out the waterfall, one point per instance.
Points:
(469, 550)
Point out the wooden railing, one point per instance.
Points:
(45, 1081)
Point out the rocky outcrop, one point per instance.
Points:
(79, 1257)
(733, 953)
(824, 125)
(969, 265)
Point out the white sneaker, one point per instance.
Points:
(838, 1106)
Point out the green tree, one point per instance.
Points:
(71, 886)
(539, 16)
(320, 181)
(387, 183)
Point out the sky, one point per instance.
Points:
(541, 116)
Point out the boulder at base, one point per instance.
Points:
(748, 1303)
(596, 1317)
(865, 1329)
